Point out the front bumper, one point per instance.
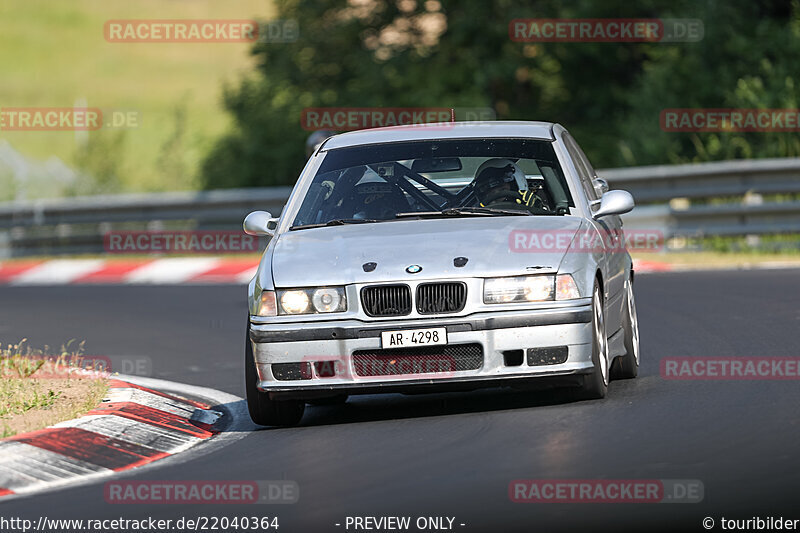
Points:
(500, 335)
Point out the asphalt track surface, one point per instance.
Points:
(455, 454)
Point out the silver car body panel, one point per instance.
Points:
(445, 131)
(396, 244)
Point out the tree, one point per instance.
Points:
(396, 53)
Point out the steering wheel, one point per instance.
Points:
(503, 195)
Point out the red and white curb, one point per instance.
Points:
(212, 270)
(176, 270)
(650, 266)
(656, 266)
(172, 270)
(134, 426)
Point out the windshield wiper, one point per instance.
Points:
(485, 211)
(336, 222)
(461, 211)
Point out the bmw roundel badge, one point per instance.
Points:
(413, 269)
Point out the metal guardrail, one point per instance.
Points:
(77, 225)
(730, 194)
(660, 183)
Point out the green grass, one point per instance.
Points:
(19, 397)
(39, 388)
(53, 54)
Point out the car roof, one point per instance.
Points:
(446, 130)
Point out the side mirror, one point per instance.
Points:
(260, 223)
(600, 186)
(614, 203)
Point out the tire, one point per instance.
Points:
(263, 410)
(595, 385)
(339, 399)
(627, 366)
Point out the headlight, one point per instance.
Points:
(327, 300)
(310, 301)
(267, 306)
(519, 289)
(566, 288)
(294, 302)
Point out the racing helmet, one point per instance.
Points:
(494, 173)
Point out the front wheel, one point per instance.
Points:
(595, 385)
(627, 366)
(263, 410)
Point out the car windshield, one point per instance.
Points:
(376, 183)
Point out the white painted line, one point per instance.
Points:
(171, 270)
(58, 271)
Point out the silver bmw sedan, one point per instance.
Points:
(440, 257)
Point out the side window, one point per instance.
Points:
(582, 165)
(585, 159)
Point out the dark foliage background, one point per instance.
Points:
(448, 53)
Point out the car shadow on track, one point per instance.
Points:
(370, 408)
(380, 407)
(396, 406)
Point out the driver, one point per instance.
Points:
(501, 184)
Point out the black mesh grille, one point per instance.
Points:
(553, 355)
(422, 360)
(291, 371)
(386, 300)
(433, 298)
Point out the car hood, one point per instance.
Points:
(335, 255)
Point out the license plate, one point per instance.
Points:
(413, 337)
